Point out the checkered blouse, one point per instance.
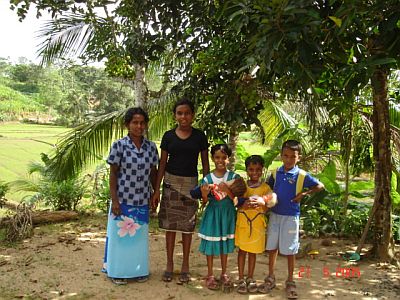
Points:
(134, 187)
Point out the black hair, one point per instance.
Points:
(292, 145)
(183, 101)
(223, 148)
(254, 159)
(135, 111)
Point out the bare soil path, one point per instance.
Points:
(63, 261)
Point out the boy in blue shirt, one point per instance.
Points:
(283, 226)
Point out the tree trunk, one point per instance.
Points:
(232, 143)
(140, 87)
(382, 157)
(348, 146)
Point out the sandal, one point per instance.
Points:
(227, 284)
(267, 286)
(119, 281)
(251, 285)
(242, 287)
(141, 279)
(291, 290)
(184, 277)
(212, 283)
(167, 276)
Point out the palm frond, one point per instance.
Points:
(85, 144)
(394, 114)
(274, 120)
(161, 116)
(24, 185)
(66, 36)
(36, 167)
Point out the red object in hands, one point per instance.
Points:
(218, 195)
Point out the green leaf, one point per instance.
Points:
(337, 21)
(381, 61)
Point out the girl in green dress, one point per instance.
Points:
(217, 230)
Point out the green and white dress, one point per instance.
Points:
(217, 229)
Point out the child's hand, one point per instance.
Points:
(223, 187)
(270, 200)
(155, 199)
(256, 201)
(298, 197)
(205, 189)
(116, 208)
(247, 204)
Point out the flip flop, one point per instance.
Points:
(119, 281)
(184, 277)
(141, 279)
(167, 276)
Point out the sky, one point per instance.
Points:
(17, 39)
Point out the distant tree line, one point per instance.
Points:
(65, 93)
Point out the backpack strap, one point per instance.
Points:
(300, 181)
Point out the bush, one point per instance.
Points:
(3, 190)
(102, 195)
(60, 195)
(63, 195)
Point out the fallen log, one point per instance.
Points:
(8, 204)
(41, 217)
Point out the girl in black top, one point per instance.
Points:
(180, 148)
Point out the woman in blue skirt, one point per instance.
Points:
(133, 167)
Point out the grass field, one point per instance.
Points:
(22, 144)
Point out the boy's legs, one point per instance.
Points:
(291, 262)
(289, 246)
(273, 241)
(273, 237)
(272, 255)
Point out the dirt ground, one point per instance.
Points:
(63, 261)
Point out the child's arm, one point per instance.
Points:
(314, 189)
(205, 189)
(223, 187)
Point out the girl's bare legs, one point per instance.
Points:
(186, 243)
(251, 265)
(210, 265)
(224, 262)
(170, 242)
(241, 263)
